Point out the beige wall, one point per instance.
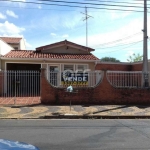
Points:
(91, 65)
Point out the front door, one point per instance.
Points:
(54, 75)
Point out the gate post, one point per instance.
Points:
(41, 83)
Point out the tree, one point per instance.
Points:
(109, 59)
(135, 57)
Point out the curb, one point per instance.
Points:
(81, 117)
(93, 117)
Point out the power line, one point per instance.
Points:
(113, 2)
(117, 45)
(97, 4)
(72, 6)
(112, 42)
(124, 47)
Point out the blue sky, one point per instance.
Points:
(111, 33)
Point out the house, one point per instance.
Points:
(66, 63)
(57, 58)
(14, 43)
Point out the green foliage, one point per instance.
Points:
(135, 58)
(109, 59)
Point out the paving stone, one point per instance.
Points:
(78, 108)
(126, 110)
(2, 110)
(25, 110)
(139, 113)
(52, 109)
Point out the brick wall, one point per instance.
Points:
(137, 67)
(47, 91)
(104, 93)
(110, 66)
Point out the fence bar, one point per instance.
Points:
(20, 83)
(125, 79)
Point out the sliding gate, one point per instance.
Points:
(19, 83)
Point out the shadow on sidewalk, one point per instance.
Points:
(28, 105)
(106, 110)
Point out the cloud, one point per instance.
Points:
(59, 36)
(53, 34)
(10, 29)
(27, 44)
(115, 15)
(2, 16)
(39, 7)
(133, 27)
(65, 36)
(129, 53)
(11, 13)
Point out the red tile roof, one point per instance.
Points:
(34, 54)
(11, 39)
(65, 42)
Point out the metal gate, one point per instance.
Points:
(19, 83)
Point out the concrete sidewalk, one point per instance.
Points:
(39, 111)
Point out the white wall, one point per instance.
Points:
(4, 47)
(22, 44)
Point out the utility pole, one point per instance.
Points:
(145, 77)
(85, 19)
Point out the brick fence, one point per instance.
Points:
(104, 93)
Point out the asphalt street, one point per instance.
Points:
(89, 134)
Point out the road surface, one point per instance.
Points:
(93, 134)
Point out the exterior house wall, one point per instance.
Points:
(15, 46)
(22, 44)
(46, 63)
(4, 47)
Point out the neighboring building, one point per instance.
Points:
(11, 43)
(18, 43)
(4, 47)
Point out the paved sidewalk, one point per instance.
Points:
(19, 101)
(39, 111)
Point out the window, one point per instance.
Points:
(81, 68)
(69, 67)
(16, 48)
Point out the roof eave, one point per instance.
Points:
(49, 59)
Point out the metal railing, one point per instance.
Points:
(88, 79)
(19, 83)
(125, 79)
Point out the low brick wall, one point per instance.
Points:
(104, 93)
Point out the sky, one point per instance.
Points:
(112, 33)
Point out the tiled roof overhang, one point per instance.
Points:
(33, 54)
(11, 40)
